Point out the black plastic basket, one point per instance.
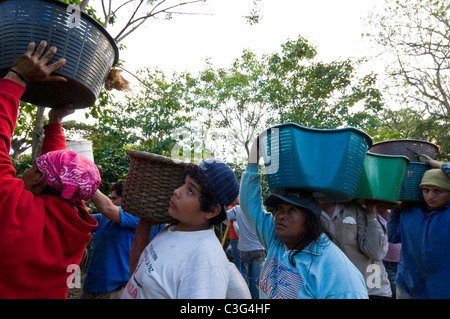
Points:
(89, 50)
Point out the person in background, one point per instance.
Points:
(252, 252)
(390, 261)
(360, 235)
(302, 262)
(108, 269)
(44, 224)
(424, 232)
(233, 249)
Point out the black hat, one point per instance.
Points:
(222, 180)
(297, 198)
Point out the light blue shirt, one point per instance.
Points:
(321, 270)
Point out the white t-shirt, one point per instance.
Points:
(248, 241)
(237, 287)
(180, 265)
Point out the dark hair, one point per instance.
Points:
(208, 198)
(118, 187)
(49, 190)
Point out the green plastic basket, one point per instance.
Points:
(381, 177)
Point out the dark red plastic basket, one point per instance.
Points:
(89, 50)
(406, 147)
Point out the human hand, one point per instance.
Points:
(427, 159)
(374, 207)
(32, 65)
(55, 115)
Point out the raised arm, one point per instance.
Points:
(251, 200)
(106, 207)
(53, 137)
(30, 66)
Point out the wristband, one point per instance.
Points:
(19, 75)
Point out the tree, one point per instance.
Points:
(237, 97)
(136, 13)
(256, 93)
(417, 34)
(139, 12)
(319, 94)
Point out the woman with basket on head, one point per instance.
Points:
(44, 225)
(424, 232)
(186, 260)
(302, 262)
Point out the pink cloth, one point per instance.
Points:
(71, 173)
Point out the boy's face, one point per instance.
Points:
(185, 207)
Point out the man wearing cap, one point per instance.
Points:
(424, 232)
(302, 262)
(44, 225)
(186, 260)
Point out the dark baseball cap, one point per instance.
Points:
(298, 198)
(221, 179)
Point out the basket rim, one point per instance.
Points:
(155, 157)
(389, 156)
(323, 130)
(407, 141)
(91, 19)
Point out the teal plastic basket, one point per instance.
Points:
(327, 163)
(411, 191)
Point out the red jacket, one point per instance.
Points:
(41, 237)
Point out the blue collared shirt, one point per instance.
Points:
(424, 266)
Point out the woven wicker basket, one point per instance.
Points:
(150, 183)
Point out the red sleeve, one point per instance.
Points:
(10, 92)
(53, 138)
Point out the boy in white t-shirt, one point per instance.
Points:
(186, 260)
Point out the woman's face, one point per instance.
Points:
(290, 223)
(435, 196)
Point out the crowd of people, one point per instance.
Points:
(301, 249)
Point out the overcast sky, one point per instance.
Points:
(183, 43)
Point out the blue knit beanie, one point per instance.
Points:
(222, 180)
